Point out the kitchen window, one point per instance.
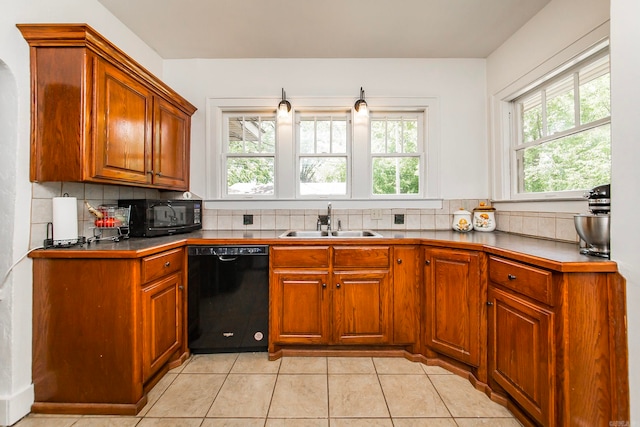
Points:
(249, 154)
(323, 154)
(562, 142)
(323, 150)
(396, 153)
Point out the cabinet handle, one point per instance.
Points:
(337, 285)
(167, 264)
(324, 285)
(399, 261)
(158, 174)
(427, 262)
(489, 303)
(181, 287)
(511, 277)
(150, 172)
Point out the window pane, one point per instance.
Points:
(531, 116)
(378, 136)
(250, 175)
(595, 94)
(251, 135)
(339, 136)
(394, 136)
(268, 136)
(574, 162)
(323, 175)
(560, 106)
(323, 136)
(410, 136)
(307, 136)
(396, 175)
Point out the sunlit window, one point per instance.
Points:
(564, 131)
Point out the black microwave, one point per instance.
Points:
(152, 217)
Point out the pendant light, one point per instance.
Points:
(284, 107)
(361, 105)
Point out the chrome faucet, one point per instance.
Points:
(329, 217)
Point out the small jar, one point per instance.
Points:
(462, 221)
(484, 218)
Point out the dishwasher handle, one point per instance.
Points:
(224, 258)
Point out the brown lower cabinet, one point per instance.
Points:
(105, 330)
(330, 295)
(454, 304)
(546, 340)
(522, 352)
(556, 344)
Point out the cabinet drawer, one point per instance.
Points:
(361, 256)
(529, 281)
(159, 265)
(300, 256)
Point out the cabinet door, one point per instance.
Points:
(299, 307)
(521, 352)
(162, 303)
(122, 140)
(170, 146)
(453, 304)
(361, 307)
(406, 293)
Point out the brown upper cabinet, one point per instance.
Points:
(98, 116)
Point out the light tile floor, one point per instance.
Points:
(248, 390)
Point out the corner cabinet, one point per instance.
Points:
(555, 341)
(98, 116)
(106, 327)
(454, 305)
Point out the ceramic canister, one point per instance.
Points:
(462, 220)
(484, 218)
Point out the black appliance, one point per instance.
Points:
(599, 199)
(153, 217)
(228, 298)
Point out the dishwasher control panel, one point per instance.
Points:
(228, 250)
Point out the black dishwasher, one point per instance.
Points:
(228, 299)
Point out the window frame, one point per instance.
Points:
(285, 194)
(421, 152)
(512, 135)
(348, 154)
(225, 155)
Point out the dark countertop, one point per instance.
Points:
(550, 254)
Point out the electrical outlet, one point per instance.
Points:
(376, 213)
(247, 219)
(398, 219)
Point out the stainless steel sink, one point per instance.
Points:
(355, 233)
(313, 234)
(309, 234)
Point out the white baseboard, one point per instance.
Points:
(14, 407)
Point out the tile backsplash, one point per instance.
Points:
(95, 194)
(548, 225)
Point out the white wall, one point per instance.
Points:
(16, 392)
(625, 150)
(459, 85)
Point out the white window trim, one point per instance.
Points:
(503, 126)
(285, 190)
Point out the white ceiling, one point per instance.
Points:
(324, 28)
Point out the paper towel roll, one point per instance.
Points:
(65, 220)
